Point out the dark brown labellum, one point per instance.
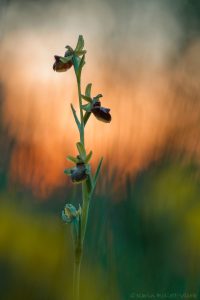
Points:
(59, 66)
(97, 104)
(79, 174)
(101, 113)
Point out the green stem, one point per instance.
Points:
(85, 201)
(80, 240)
(81, 111)
(87, 187)
(85, 210)
(77, 268)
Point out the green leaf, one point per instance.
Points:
(89, 184)
(66, 59)
(81, 150)
(87, 98)
(88, 90)
(86, 117)
(97, 172)
(80, 43)
(88, 157)
(75, 117)
(73, 159)
(89, 181)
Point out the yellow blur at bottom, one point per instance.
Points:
(36, 258)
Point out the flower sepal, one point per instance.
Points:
(73, 159)
(80, 44)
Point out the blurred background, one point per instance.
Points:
(143, 237)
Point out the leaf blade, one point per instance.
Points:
(86, 117)
(75, 117)
(97, 173)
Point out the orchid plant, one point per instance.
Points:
(81, 172)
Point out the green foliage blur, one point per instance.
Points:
(145, 242)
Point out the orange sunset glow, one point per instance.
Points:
(152, 93)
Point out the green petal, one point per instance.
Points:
(88, 90)
(73, 159)
(98, 96)
(67, 171)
